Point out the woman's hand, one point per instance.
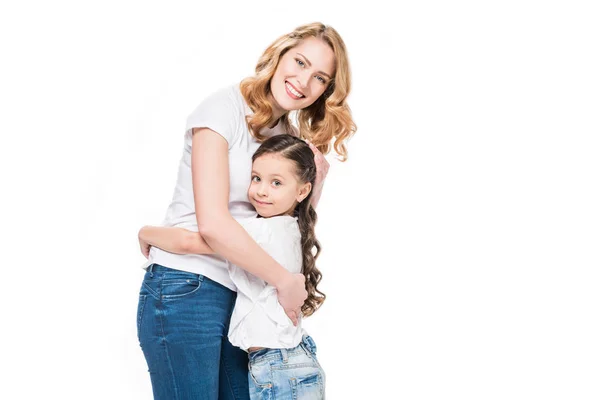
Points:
(322, 165)
(291, 295)
(322, 170)
(144, 245)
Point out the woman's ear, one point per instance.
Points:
(303, 192)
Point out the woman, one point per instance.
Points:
(186, 300)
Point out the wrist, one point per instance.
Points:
(282, 279)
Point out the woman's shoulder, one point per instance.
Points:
(222, 111)
(228, 94)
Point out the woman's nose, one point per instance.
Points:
(304, 79)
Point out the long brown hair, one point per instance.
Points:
(299, 152)
(329, 117)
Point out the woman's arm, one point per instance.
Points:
(173, 240)
(210, 177)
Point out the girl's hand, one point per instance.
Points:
(144, 246)
(322, 165)
(291, 295)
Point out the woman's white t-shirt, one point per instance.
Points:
(258, 320)
(225, 113)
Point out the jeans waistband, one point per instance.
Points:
(160, 268)
(157, 268)
(307, 345)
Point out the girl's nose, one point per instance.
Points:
(262, 190)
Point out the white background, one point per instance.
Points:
(460, 240)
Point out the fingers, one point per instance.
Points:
(312, 147)
(293, 317)
(145, 248)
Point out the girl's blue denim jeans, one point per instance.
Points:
(182, 324)
(286, 374)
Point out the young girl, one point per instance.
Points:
(283, 361)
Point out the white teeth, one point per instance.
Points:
(294, 92)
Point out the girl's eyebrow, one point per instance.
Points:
(310, 65)
(280, 177)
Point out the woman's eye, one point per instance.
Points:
(255, 179)
(300, 62)
(320, 79)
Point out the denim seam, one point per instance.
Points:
(310, 354)
(227, 367)
(142, 302)
(164, 343)
(294, 385)
(293, 366)
(260, 385)
(227, 373)
(153, 293)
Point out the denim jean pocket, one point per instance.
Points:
(261, 375)
(173, 288)
(308, 387)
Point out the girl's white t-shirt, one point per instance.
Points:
(225, 113)
(258, 320)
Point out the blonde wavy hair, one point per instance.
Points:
(329, 117)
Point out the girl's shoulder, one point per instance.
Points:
(273, 230)
(283, 224)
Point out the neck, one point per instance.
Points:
(289, 214)
(277, 111)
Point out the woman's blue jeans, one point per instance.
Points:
(182, 323)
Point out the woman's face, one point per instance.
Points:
(275, 188)
(303, 74)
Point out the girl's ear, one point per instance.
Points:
(303, 192)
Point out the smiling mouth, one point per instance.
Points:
(292, 91)
(262, 202)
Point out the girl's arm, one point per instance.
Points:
(210, 177)
(173, 240)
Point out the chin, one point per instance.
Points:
(285, 103)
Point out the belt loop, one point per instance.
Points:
(309, 344)
(284, 355)
(151, 269)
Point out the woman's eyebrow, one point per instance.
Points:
(310, 65)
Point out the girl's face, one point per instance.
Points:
(303, 74)
(275, 188)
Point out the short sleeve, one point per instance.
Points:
(219, 112)
(278, 236)
(258, 229)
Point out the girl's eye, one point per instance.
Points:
(300, 62)
(255, 179)
(276, 183)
